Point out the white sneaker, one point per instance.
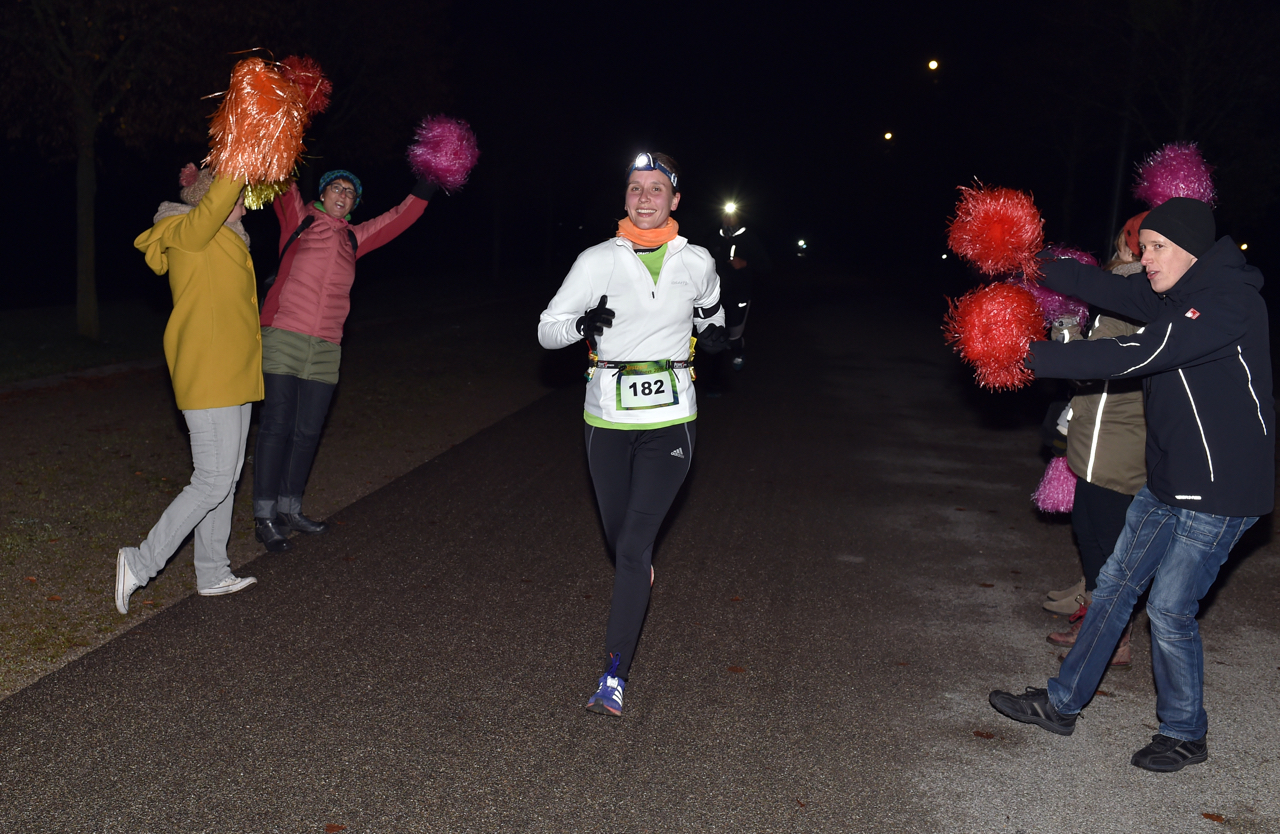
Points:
(126, 583)
(230, 585)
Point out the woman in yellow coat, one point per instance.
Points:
(214, 350)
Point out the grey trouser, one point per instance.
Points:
(217, 453)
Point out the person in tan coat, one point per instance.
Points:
(213, 347)
(1106, 449)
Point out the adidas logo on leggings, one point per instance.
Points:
(678, 453)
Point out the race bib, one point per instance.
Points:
(645, 385)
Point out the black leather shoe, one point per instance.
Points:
(299, 523)
(273, 535)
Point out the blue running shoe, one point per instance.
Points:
(608, 698)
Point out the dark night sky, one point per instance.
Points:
(780, 106)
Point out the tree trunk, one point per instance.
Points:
(86, 194)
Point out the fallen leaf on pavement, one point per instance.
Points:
(334, 828)
(1104, 693)
(986, 585)
(983, 734)
(735, 599)
(31, 579)
(54, 598)
(1214, 817)
(801, 804)
(737, 670)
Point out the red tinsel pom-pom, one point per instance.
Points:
(990, 328)
(306, 73)
(998, 230)
(444, 151)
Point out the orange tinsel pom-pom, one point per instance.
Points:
(990, 328)
(256, 133)
(315, 87)
(998, 230)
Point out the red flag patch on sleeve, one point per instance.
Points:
(1193, 313)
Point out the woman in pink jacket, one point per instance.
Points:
(302, 320)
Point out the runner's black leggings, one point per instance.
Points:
(1097, 517)
(636, 475)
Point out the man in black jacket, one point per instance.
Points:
(1205, 357)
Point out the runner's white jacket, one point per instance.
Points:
(651, 321)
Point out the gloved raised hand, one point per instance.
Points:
(592, 324)
(713, 338)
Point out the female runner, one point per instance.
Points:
(637, 300)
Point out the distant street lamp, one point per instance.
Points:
(888, 136)
(933, 65)
(1244, 246)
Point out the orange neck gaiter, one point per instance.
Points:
(648, 238)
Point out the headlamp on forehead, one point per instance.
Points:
(648, 162)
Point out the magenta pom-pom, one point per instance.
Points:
(998, 230)
(1057, 490)
(1176, 170)
(444, 152)
(1061, 250)
(990, 328)
(1055, 305)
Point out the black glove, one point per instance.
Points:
(425, 189)
(713, 338)
(593, 322)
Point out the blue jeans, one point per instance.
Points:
(1178, 552)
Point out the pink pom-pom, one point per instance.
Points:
(444, 151)
(188, 175)
(1055, 305)
(306, 73)
(1061, 250)
(1176, 170)
(998, 230)
(990, 328)
(1057, 490)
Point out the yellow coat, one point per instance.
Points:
(213, 342)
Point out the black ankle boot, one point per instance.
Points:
(299, 523)
(273, 535)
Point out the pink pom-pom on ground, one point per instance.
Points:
(1057, 490)
(998, 230)
(306, 73)
(1175, 170)
(990, 328)
(444, 151)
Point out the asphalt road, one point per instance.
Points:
(853, 564)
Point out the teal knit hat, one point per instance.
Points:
(339, 174)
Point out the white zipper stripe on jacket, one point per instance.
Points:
(1097, 427)
(1196, 413)
(1249, 374)
(1152, 356)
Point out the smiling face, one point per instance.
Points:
(1165, 260)
(650, 199)
(338, 198)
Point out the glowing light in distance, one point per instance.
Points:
(1244, 246)
(730, 208)
(944, 256)
(802, 245)
(888, 136)
(933, 65)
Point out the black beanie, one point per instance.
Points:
(1186, 222)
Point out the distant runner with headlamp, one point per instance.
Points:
(637, 299)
